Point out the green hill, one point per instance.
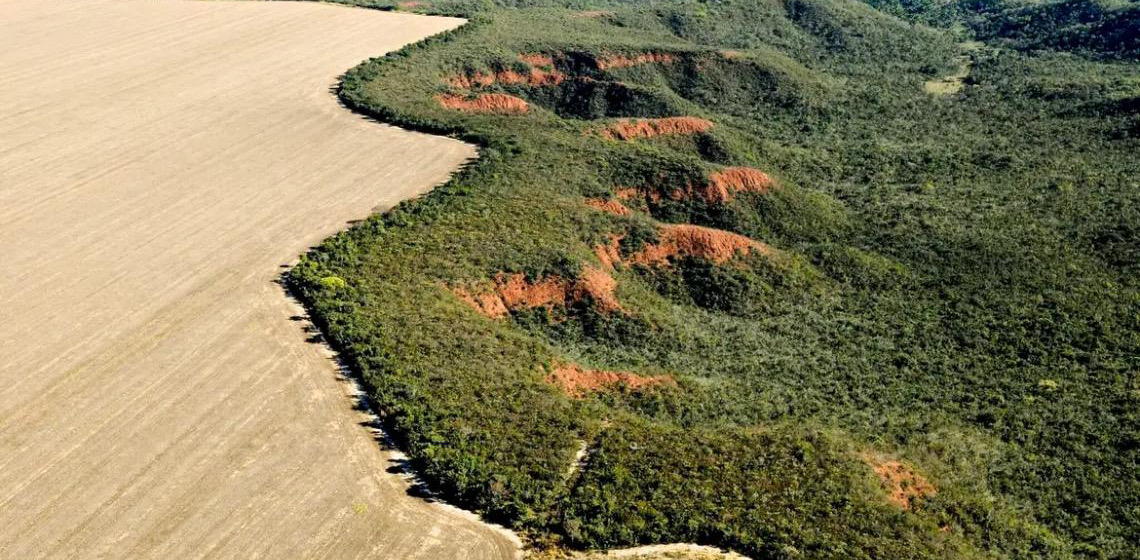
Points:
(789, 302)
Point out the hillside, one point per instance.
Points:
(788, 302)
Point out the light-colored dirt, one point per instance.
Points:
(578, 382)
(622, 61)
(675, 551)
(159, 161)
(953, 83)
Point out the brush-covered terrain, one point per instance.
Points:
(727, 273)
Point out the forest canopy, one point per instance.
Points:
(795, 278)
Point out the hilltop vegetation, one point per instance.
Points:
(792, 304)
(1102, 28)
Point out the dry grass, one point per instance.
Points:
(534, 59)
(593, 14)
(622, 61)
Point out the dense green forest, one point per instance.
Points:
(821, 288)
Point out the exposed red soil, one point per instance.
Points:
(622, 61)
(686, 240)
(731, 54)
(537, 59)
(900, 481)
(489, 304)
(722, 185)
(514, 291)
(409, 5)
(487, 103)
(598, 285)
(610, 206)
(609, 253)
(626, 193)
(533, 77)
(682, 240)
(633, 129)
(577, 382)
(517, 293)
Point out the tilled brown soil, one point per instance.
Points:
(159, 163)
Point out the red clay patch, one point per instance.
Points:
(517, 293)
(900, 481)
(487, 104)
(611, 206)
(731, 54)
(609, 254)
(537, 59)
(533, 77)
(622, 61)
(409, 5)
(722, 185)
(593, 13)
(599, 286)
(514, 291)
(686, 240)
(577, 382)
(490, 305)
(626, 193)
(634, 129)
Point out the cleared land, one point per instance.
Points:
(159, 161)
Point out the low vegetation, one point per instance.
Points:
(796, 305)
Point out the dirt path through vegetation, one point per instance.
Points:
(159, 163)
(953, 83)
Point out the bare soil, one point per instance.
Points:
(159, 163)
(900, 481)
(678, 240)
(723, 185)
(578, 382)
(953, 83)
(511, 291)
(674, 551)
(537, 59)
(635, 129)
(609, 206)
(621, 61)
(487, 104)
(532, 77)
